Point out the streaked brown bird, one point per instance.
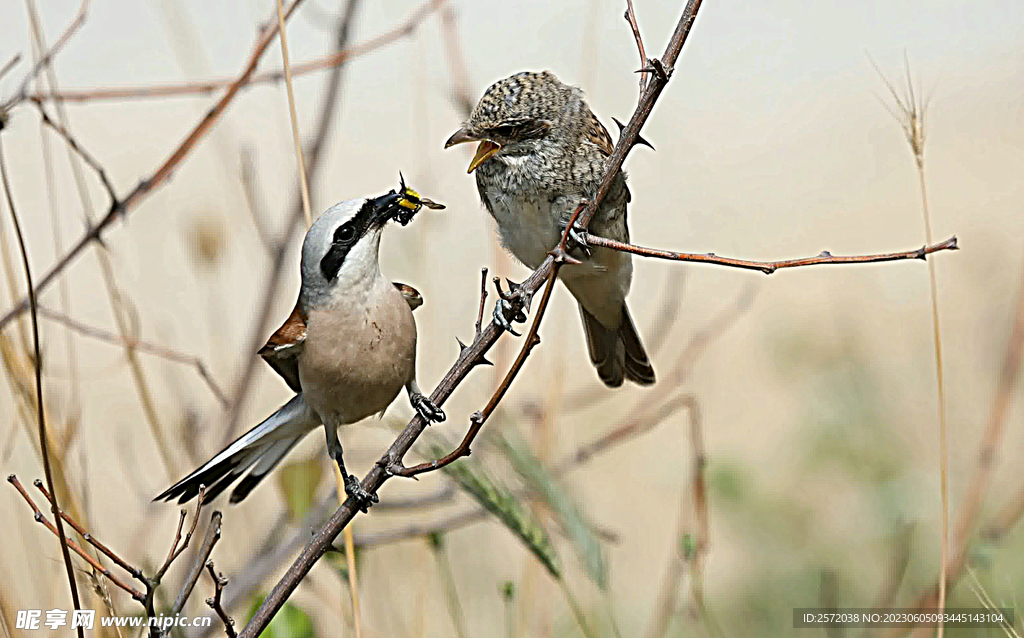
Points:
(541, 151)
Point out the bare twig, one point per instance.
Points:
(982, 474)
(10, 64)
(769, 267)
(68, 543)
(212, 536)
(303, 185)
(483, 300)
(122, 207)
(103, 549)
(142, 346)
(46, 58)
(151, 583)
(204, 87)
(40, 409)
(176, 549)
(631, 19)
(219, 582)
(86, 157)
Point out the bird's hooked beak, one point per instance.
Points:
(484, 152)
(384, 208)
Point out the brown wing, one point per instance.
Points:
(285, 345)
(597, 134)
(410, 294)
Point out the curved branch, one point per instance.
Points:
(769, 267)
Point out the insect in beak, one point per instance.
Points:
(401, 205)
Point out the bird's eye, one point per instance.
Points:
(506, 130)
(345, 234)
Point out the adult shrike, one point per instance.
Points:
(347, 350)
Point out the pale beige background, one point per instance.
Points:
(771, 144)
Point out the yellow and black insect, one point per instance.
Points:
(411, 201)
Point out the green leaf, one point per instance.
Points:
(289, 622)
(498, 500)
(298, 481)
(567, 511)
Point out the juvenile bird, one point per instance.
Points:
(541, 152)
(347, 350)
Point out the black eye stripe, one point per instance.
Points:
(332, 261)
(346, 236)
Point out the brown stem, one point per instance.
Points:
(72, 545)
(219, 582)
(176, 550)
(631, 18)
(40, 409)
(103, 549)
(205, 87)
(44, 60)
(141, 346)
(483, 300)
(212, 536)
(769, 267)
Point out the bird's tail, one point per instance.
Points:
(617, 353)
(260, 449)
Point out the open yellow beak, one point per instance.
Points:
(486, 149)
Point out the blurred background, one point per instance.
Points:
(814, 389)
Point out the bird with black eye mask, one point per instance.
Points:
(347, 349)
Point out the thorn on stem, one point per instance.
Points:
(639, 138)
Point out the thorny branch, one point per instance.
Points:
(532, 340)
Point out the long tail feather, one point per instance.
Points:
(618, 354)
(261, 449)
